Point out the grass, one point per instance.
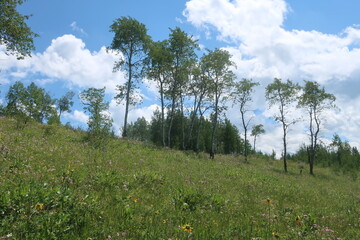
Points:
(54, 186)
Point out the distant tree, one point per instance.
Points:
(65, 103)
(139, 130)
(28, 103)
(216, 67)
(15, 34)
(315, 100)
(99, 123)
(256, 131)
(15, 101)
(132, 41)
(282, 94)
(38, 102)
(242, 96)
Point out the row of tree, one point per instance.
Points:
(190, 86)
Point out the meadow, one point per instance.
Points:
(54, 185)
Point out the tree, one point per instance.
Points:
(216, 67)
(139, 130)
(182, 48)
(99, 123)
(132, 41)
(28, 103)
(256, 131)
(242, 96)
(65, 103)
(15, 98)
(315, 100)
(282, 94)
(158, 70)
(15, 34)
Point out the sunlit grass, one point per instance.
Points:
(54, 186)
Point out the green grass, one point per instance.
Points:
(55, 186)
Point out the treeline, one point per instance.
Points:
(228, 139)
(338, 155)
(35, 103)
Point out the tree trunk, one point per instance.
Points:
(212, 151)
(162, 114)
(124, 133)
(245, 132)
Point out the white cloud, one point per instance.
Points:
(78, 116)
(76, 28)
(265, 49)
(67, 59)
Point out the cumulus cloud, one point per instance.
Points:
(263, 48)
(68, 60)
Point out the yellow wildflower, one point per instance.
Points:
(187, 228)
(298, 220)
(164, 221)
(268, 201)
(135, 200)
(39, 206)
(275, 235)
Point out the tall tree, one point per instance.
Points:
(15, 34)
(183, 57)
(198, 90)
(131, 40)
(158, 70)
(283, 94)
(216, 66)
(242, 96)
(315, 100)
(256, 131)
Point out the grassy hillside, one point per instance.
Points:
(54, 186)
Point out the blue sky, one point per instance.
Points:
(312, 40)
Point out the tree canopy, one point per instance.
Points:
(15, 34)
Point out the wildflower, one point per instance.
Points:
(187, 228)
(164, 221)
(298, 220)
(135, 200)
(157, 212)
(39, 206)
(268, 201)
(275, 235)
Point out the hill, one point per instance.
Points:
(53, 185)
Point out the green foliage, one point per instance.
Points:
(139, 130)
(15, 34)
(30, 103)
(99, 123)
(65, 103)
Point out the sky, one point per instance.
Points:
(288, 39)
